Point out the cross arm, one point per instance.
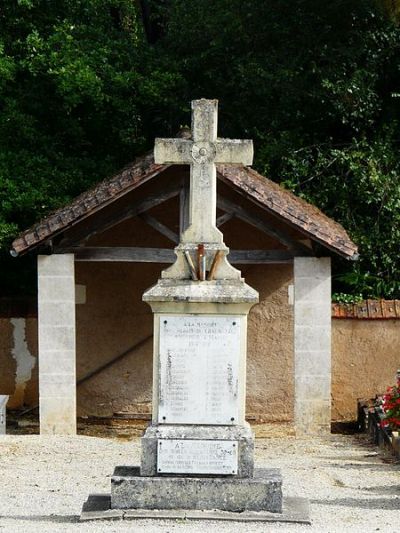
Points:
(172, 151)
(234, 151)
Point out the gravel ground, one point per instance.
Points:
(351, 485)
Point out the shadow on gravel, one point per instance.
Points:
(387, 489)
(361, 458)
(361, 466)
(392, 504)
(61, 519)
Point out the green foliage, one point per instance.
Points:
(315, 84)
(75, 77)
(343, 298)
(358, 185)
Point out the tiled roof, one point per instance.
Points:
(88, 203)
(283, 204)
(290, 208)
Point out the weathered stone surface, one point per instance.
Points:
(242, 434)
(312, 344)
(180, 269)
(98, 507)
(294, 510)
(202, 153)
(199, 368)
(263, 492)
(200, 329)
(197, 457)
(189, 400)
(185, 290)
(57, 361)
(3, 403)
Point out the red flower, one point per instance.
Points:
(390, 404)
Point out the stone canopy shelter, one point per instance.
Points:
(98, 255)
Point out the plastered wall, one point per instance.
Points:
(114, 319)
(366, 355)
(270, 363)
(18, 361)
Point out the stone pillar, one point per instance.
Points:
(3, 404)
(57, 374)
(312, 345)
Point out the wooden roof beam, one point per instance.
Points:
(160, 227)
(166, 255)
(94, 228)
(224, 218)
(254, 220)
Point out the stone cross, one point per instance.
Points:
(202, 153)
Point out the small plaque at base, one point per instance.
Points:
(193, 456)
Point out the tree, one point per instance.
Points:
(317, 86)
(77, 99)
(85, 86)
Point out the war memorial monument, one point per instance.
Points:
(197, 455)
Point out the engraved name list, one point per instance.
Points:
(199, 365)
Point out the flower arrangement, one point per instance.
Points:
(391, 406)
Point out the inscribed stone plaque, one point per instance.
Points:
(177, 456)
(199, 368)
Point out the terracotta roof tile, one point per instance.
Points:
(88, 202)
(283, 204)
(368, 309)
(290, 208)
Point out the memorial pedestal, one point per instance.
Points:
(199, 369)
(219, 450)
(198, 452)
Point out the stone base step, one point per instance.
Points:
(98, 507)
(263, 492)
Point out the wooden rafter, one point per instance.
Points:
(108, 222)
(184, 207)
(128, 254)
(230, 209)
(224, 218)
(160, 227)
(254, 220)
(260, 257)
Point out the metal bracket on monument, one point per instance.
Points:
(200, 273)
